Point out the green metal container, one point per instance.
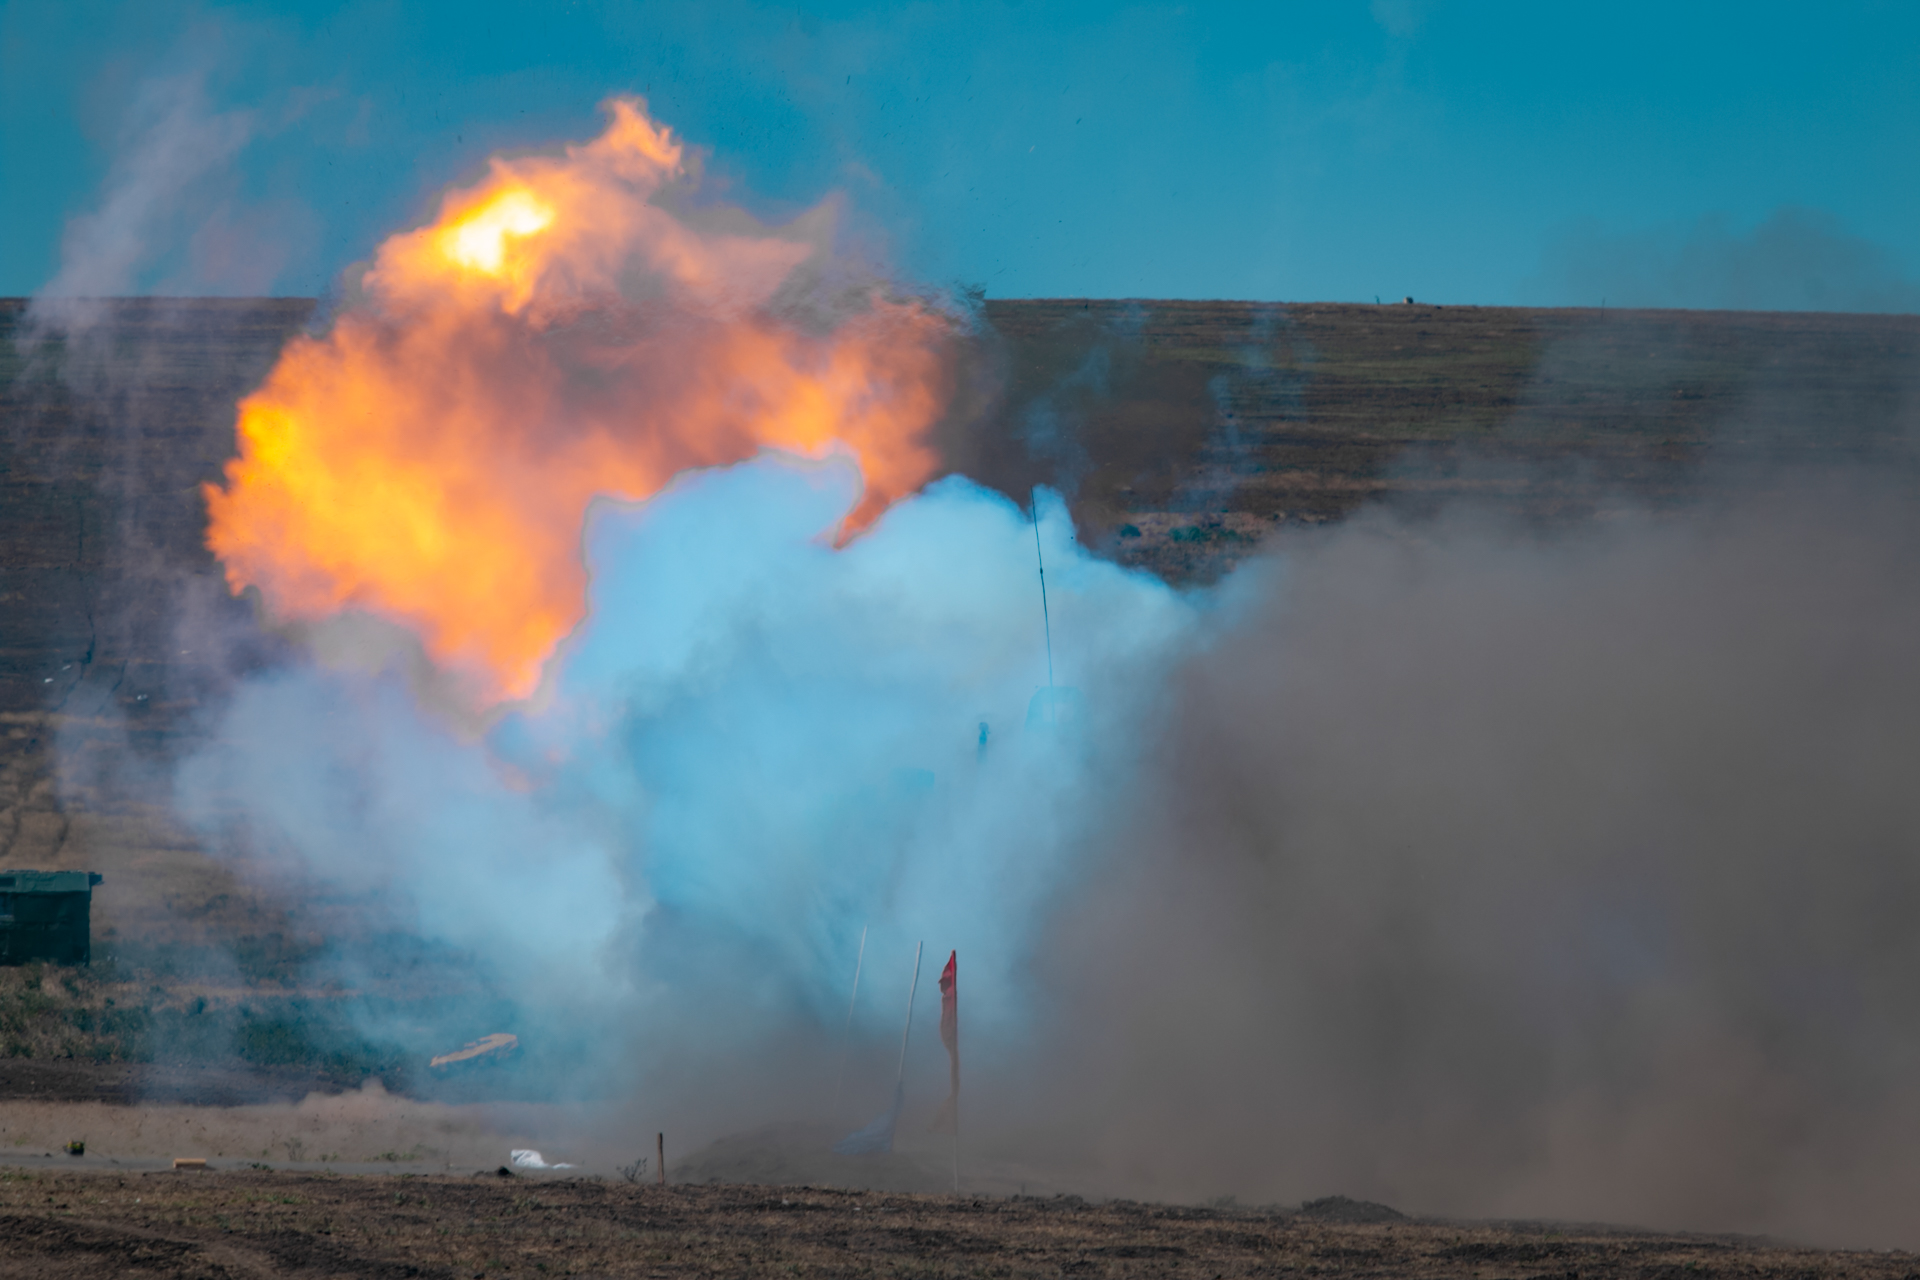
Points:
(46, 915)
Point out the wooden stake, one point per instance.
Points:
(660, 1154)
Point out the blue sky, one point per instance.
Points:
(1670, 154)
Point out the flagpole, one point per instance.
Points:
(901, 1079)
(846, 1035)
(950, 1036)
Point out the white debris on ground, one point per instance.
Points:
(523, 1158)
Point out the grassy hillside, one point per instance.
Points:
(1201, 424)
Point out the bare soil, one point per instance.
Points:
(252, 1223)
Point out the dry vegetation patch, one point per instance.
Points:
(252, 1223)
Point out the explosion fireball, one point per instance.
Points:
(554, 335)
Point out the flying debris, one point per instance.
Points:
(486, 1051)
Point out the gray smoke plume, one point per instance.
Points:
(1795, 260)
(172, 145)
(1492, 873)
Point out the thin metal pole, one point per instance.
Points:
(902, 1077)
(1045, 616)
(858, 959)
(846, 1035)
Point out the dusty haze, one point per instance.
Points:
(1489, 872)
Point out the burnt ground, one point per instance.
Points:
(249, 1223)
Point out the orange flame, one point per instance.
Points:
(554, 335)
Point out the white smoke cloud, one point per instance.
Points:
(757, 746)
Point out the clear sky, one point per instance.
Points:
(1541, 153)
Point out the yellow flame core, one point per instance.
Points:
(479, 240)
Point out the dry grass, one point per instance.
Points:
(254, 1223)
(51, 1011)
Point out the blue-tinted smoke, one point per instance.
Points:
(754, 747)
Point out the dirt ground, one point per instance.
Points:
(253, 1223)
(365, 1128)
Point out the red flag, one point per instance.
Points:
(948, 1120)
